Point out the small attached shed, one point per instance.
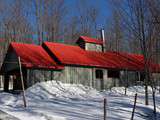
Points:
(35, 62)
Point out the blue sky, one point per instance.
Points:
(103, 6)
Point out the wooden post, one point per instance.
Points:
(126, 82)
(154, 103)
(125, 90)
(104, 108)
(22, 81)
(0, 81)
(135, 100)
(6, 83)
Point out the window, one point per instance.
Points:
(99, 74)
(113, 74)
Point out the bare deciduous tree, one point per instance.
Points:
(114, 33)
(139, 26)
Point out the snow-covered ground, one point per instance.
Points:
(56, 101)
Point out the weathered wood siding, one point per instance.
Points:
(80, 75)
(156, 78)
(71, 75)
(93, 47)
(77, 75)
(86, 76)
(1, 81)
(37, 75)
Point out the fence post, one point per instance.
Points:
(0, 81)
(125, 90)
(135, 100)
(154, 102)
(22, 81)
(104, 108)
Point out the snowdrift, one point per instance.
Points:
(130, 90)
(53, 100)
(56, 89)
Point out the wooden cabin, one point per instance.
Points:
(85, 63)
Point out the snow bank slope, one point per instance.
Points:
(130, 90)
(58, 101)
(52, 89)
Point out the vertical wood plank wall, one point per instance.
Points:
(77, 75)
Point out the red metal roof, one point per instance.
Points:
(154, 67)
(33, 56)
(90, 40)
(74, 55)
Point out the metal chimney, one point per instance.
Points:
(103, 39)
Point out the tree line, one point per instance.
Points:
(35, 21)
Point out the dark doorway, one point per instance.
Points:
(99, 75)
